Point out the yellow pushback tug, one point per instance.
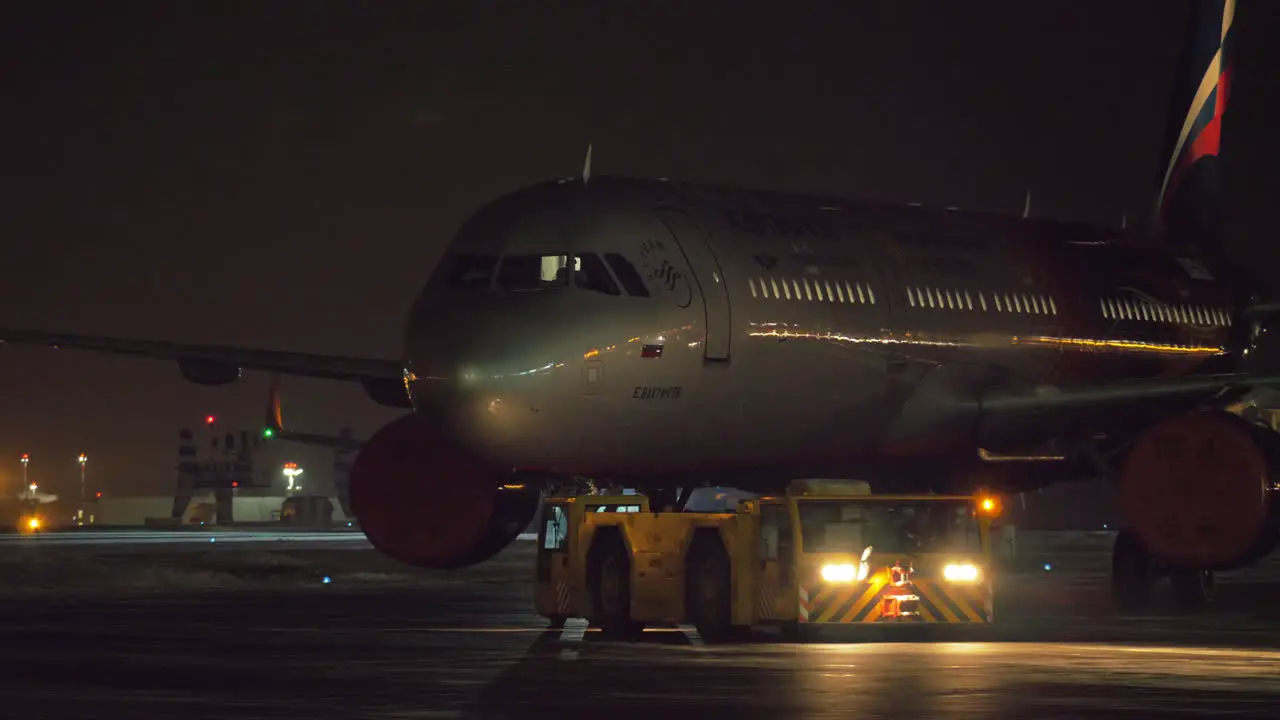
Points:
(826, 552)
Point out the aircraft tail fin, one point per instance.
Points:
(273, 427)
(274, 423)
(1190, 205)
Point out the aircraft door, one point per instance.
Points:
(777, 564)
(551, 594)
(707, 274)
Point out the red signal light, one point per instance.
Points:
(209, 419)
(235, 483)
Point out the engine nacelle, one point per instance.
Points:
(208, 372)
(1199, 489)
(427, 503)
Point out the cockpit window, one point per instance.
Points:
(593, 275)
(533, 272)
(627, 275)
(471, 271)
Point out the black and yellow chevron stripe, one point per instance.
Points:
(863, 602)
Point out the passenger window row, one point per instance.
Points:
(939, 299)
(836, 291)
(1131, 309)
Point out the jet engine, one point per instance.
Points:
(427, 503)
(1200, 490)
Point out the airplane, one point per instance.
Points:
(273, 427)
(661, 335)
(344, 444)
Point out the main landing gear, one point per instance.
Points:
(1134, 573)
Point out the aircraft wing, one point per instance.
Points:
(1007, 417)
(218, 364)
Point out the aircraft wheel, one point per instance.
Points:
(1132, 573)
(610, 572)
(708, 588)
(1193, 590)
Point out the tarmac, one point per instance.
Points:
(273, 630)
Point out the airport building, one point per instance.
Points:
(200, 509)
(220, 478)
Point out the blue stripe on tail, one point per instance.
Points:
(1191, 202)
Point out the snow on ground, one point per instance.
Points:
(1064, 567)
(77, 571)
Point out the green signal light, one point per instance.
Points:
(268, 433)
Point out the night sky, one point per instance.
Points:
(285, 175)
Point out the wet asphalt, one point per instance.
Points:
(379, 641)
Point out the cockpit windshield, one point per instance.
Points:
(889, 526)
(533, 272)
(470, 271)
(593, 275)
(523, 273)
(627, 275)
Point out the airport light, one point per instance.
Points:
(25, 459)
(292, 471)
(82, 460)
(210, 419)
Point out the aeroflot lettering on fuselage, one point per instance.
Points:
(805, 254)
(939, 257)
(941, 266)
(649, 392)
(933, 254)
(758, 223)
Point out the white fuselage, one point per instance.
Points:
(776, 332)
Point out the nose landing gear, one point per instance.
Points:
(1132, 573)
(666, 499)
(1193, 590)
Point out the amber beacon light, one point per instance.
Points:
(989, 505)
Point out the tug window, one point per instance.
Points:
(933, 526)
(555, 527)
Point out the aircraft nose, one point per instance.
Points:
(475, 371)
(441, 350)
